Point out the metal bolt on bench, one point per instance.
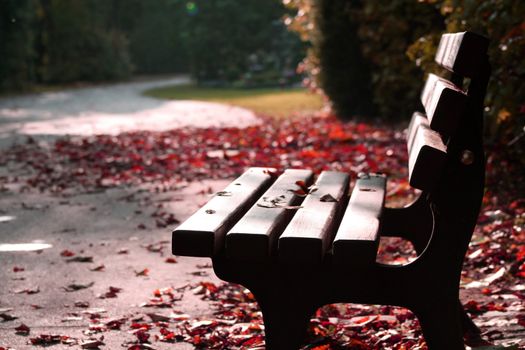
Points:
(297, 254)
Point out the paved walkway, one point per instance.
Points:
(116, 228)
(112, 109)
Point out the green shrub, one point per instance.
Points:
(399, 39)
(224, 36)
(17, 66)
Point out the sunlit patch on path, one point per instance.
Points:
(168, 115)
(23, 247)
(112, 109)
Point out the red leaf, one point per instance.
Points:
(67, 253)
(144, 272)
(22, 329)
(171, 260)
(98, 268)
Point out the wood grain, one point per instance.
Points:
(254, 235)
(426, 159)
(203, 233)
(462, 53)
(308, 235)
(357, 238)
(444, 104)
(416, 120)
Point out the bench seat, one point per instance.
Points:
(293, 221)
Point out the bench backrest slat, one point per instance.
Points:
(444, 104)
(203, 233)
(462, 53)
(254, 235)
(357, 238)
(416, 120)
(308, 236)
(426, 159)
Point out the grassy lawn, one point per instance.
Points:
(272, 101)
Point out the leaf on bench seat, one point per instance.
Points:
(203, 233)
(307, 237)
(253, 237)
(357, 238)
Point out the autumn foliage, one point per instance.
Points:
(398, 40)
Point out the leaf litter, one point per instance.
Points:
(495, 259)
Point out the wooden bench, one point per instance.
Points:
(299, 242)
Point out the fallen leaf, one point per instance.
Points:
(81, 259)
(171, 260)
(98, 268)
(46, 339)
(22, 329)
(91, 344)
(111, 293)
(83, 304)
(75, 286)
(327, 198)
(28, 291)
(144, 272)
(7, 317)
(67, 253)
(158, 317)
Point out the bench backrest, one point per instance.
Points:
(451, 110)
(251, 219)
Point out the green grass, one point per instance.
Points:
(273, 102)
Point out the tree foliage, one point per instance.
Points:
(78, 44)
(239, 41)
(62, 41)
(398, 36)
(504, 23)
(16, 52)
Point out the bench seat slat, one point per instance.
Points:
(254, 235)
(462, 53)
(203, 233)
(308, 235)
(426, 159)
(357, 238)
(444, 104)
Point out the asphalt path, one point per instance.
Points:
(111, 109)
(113, 228)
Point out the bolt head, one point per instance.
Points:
(467, 157)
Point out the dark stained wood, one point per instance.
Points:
(308, 235)
(444, 104)
(415, 122)
(442, 48)
(439, 224)
(426, 159)
(357, 238)
(254, 235)
(462, 53)
(203, 233)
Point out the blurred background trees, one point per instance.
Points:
(367, 57)
(398, 40)
(218, 41)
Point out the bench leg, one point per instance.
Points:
(285, 320)
(441, 323)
